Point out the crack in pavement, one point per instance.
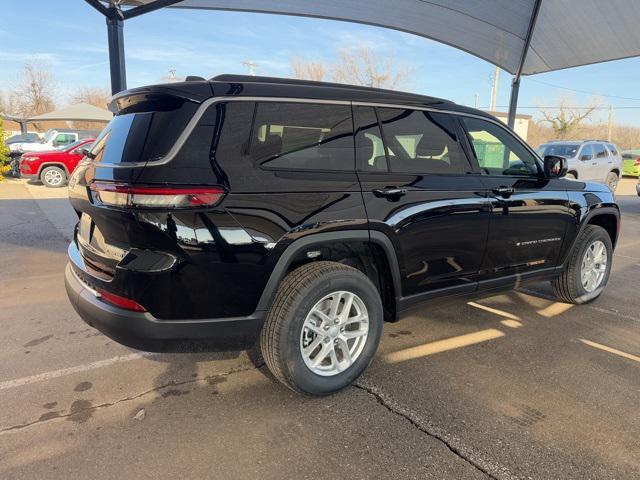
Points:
(451, 443)
(22, 426)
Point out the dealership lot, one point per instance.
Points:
(510, 386)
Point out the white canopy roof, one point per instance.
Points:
(567, 33)
(81, 112)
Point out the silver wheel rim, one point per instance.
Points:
(613, 183)
(334, 333)
(594, 266)
(53, 177)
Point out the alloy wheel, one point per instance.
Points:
(53, 177)
(334, 333)
(594, 266)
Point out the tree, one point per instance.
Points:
(360, 66)
(306, 70)
(96, 96)
(4, 153)
(567, 118)
(364, 66)
(35, 92)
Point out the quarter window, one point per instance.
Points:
(421, 142)
(498, 152)
(304, 136)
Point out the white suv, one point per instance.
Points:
(593, 160)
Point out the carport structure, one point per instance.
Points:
(523, 37)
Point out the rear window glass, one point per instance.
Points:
(141, 136)
(303, 136)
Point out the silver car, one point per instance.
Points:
(593, 160)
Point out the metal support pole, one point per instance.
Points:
(115, 37)
(513, 101)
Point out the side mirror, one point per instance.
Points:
(554, 166)
(586, 157)
(85, 152)
(56, 143)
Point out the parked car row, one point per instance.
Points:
(52, 139)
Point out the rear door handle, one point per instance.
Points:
(391, 192)
(503, 191)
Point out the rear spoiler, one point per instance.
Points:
(160, 97)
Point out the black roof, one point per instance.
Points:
(334, 91)
(198, 90)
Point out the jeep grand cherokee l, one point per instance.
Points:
(302, 215)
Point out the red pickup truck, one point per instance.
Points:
(53, 167)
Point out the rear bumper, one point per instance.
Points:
(144, 332)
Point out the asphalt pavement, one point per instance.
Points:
(510, 386)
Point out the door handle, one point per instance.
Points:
(390, 192)
(503, 191)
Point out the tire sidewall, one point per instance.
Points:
(582, 295)
(301, 375)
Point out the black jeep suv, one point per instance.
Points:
(302, 215)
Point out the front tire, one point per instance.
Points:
(323, 328)
(588, 267)
(53, 177)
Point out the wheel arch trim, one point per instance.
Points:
(592, 212)
(285, 259)
(53, 164)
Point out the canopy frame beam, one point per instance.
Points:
(515, 83)
(115, 18)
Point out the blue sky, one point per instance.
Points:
(70, 37)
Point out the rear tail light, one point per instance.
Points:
(129, 196)
(119, 301)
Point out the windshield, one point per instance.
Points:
(560, 149)
(73, 145)
(48, 136)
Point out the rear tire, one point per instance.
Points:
(53, 177)
(576, 285)
(306, 343)
(612, 181)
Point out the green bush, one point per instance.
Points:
(4, 153)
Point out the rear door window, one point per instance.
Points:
(601, 152)
(370, 150)
(422, 142)
(587, 152)
(303, 136)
